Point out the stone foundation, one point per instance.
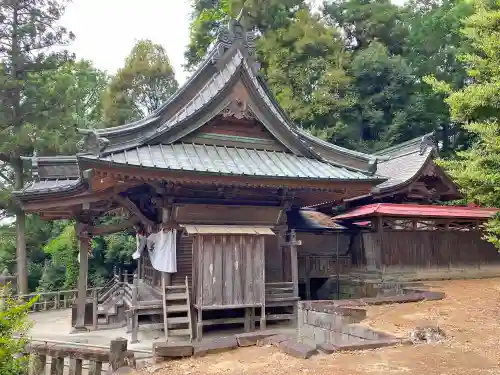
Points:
(336, 323)
(322, 322)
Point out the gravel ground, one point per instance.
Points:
(469, 316)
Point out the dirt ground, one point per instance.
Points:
(469, 315)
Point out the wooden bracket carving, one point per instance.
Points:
(133, 209)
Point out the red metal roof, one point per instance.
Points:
(416, 210)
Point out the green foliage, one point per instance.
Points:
(141, 86)
(61, 271)
(354, 76)
(209, 16)
(13, 322)
(306, 75)
(477, 106)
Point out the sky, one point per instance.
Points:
(106, 30)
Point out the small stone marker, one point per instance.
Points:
(297, 349)
(217, 345)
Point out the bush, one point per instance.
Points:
(14, 325)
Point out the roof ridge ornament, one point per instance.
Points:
(428, 140)
(234, 33)
(91, 143)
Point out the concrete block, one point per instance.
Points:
(307, 331)
(361, 332)
(297, 349)
(212, 346)
(320, 335)
(252, 338)
(171, 350)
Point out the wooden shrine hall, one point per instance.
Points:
(218, 167)
(221, 164)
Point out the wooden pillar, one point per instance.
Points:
(292, 245)
(84, 242)
(293, 262)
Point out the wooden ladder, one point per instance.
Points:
(176, 302)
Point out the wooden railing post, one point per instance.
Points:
(38, 365)
(95, 308)
(117, 353)
(134, 311)
(125, 277)
(75, 366)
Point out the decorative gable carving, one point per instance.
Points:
(238, 105)
(233, 34)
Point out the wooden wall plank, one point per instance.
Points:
(237, 276)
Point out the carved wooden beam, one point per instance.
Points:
(133, 209)
(114, 228)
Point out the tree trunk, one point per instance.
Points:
(22, 271)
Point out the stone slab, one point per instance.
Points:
(216, 345)
(433, 296)
(297, 349)
(274, 340)
(172, 350)
(365, 345)
(252, 338)
(326, 348)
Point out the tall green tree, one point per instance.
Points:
(141, 86)
(304, 67)
(209, 16)
(28, 30)
(477, 107)
(365, 21)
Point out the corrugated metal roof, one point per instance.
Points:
(230, 160)
(228, 229)
(206, 94)
(415, 210)
(402, 168)
(49, 185)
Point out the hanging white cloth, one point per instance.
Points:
(141, 243)
(162, 250)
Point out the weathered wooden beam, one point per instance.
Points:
(133, 209)
(113, 228)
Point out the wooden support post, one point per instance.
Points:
(293, 243)
(125, 277)
(95, 309)
(83, 238)
(117, 353)
(134, 310)
(308, 279)
(199, 325)
(164, 301)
